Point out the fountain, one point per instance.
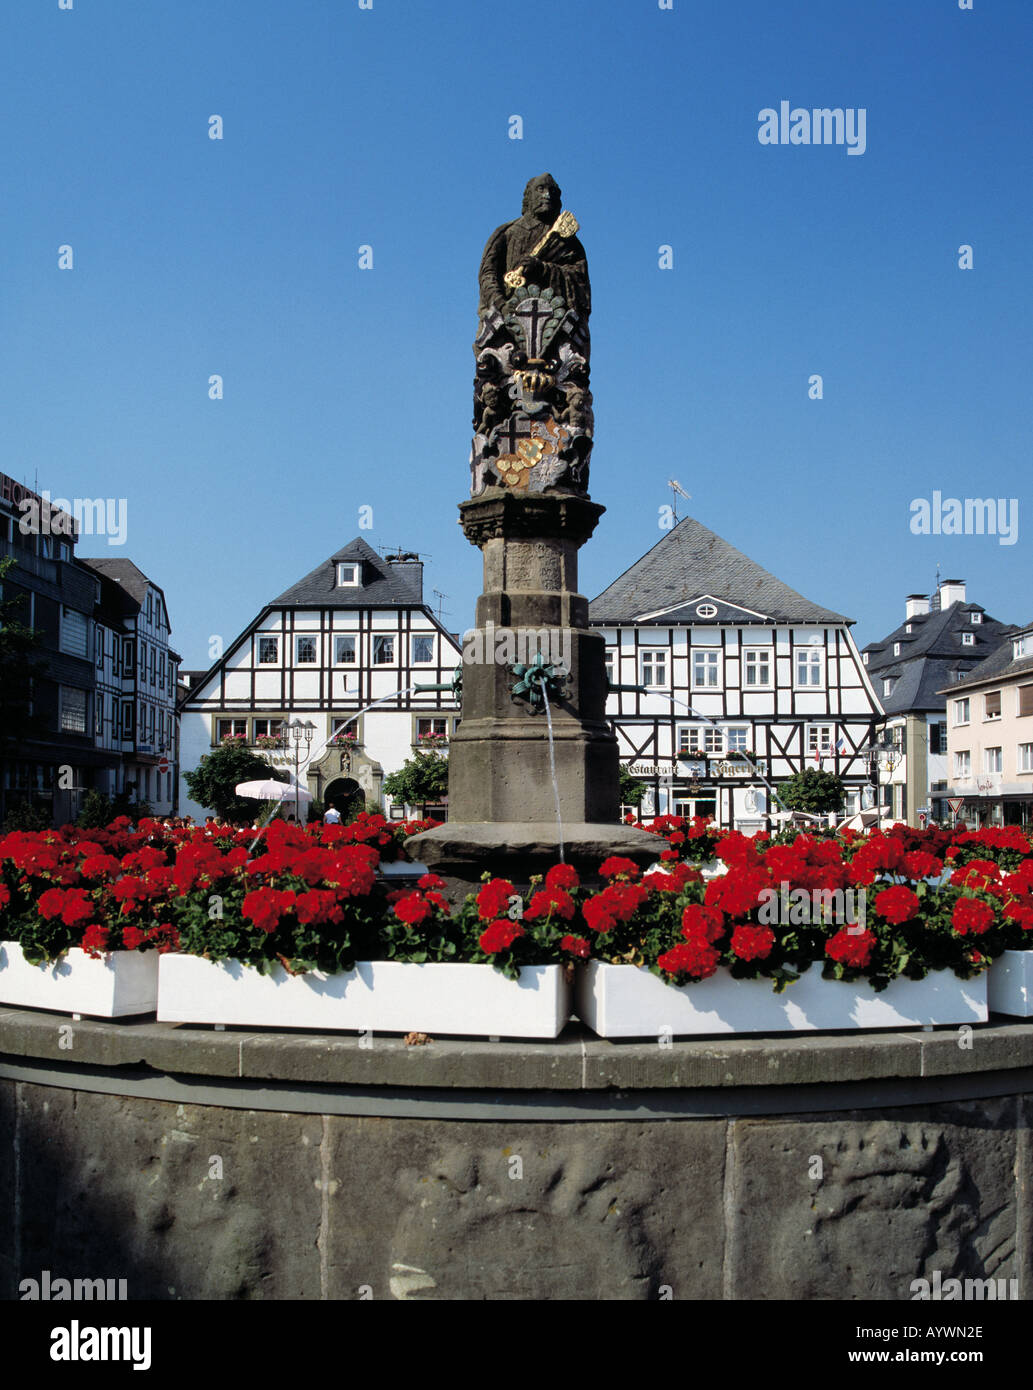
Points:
(533, 763)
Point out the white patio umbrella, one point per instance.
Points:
(271, 790)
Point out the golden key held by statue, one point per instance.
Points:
(565, 225)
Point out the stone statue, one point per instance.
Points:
(532, 406)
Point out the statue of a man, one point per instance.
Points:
(560, 265)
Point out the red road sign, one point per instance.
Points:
(955, 803)
(163, 765)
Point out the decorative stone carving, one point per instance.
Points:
(532, 407)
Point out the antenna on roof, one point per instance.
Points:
(677, 491)
(440, 597)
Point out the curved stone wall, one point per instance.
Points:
(202, 1164)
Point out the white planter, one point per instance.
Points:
(384, 996)
(1009, 987)
(624, 1001)
(111, 986)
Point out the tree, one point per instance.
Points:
(211, 783)
(421, 778)
(814, 791)
(631, 789)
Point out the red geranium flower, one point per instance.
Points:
(412, 909)
(500, 935)
(702, 923)
(550, 901)
(575, 946)
(696, 958)
(897, 904)
(752, 943)
(598, 915)
(266, 906)
(562, 876)
(851, 948)
(430, 881)
(971, 915)
(616, 867)
(494, 898)
(95, 940)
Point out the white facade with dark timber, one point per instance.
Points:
(734, 661)
(353, 632)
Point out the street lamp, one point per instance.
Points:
(876, 757)
(297, 733)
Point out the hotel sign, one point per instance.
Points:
(698, 767)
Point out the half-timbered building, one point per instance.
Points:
(732, 661)
(341, 649)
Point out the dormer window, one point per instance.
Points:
(907, 628)
(968, 639)
(864, 657)
(1023, 646)
(896, 648)
(977, 617)
(348, 575)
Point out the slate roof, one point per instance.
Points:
(691, 564)
(383, 585)
(132, 579)
(930, 655)
(1000, 664)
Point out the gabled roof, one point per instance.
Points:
(1000, 664)
(930, 654)
(691, 563)
(132, 579)
(382, 584)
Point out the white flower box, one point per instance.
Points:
(383, 996)
(626, 1001)
(1010, 984)
(114, 985)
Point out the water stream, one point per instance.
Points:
(552, 769)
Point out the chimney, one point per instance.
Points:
(951, 591)
(408, 566)
(916, 605)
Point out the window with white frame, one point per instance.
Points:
(907, 627)
(757, 666)
(961, 711)
(225, 727)
(344, 650)
(268, 651)
(269, 728)
(992, 760)
(1026, 757)
(383, 651)
(968, 639)
(346, 725)
(809, 668)
(431, 726)
(737, 738)
(305, 649)
(887, 686)
(347, 575)
(653, 666)
(820, 738)
(976, 617)
(73, 710)
(700, 738)
(1022, 646)
(896, 648)
(611, 658)
(962, 766)
(422, 649)
(706, 669)
(864, 657)
(992, 705)
(1024, 700)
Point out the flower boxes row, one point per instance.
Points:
(615, 1001)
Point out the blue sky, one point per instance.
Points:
(389, 127)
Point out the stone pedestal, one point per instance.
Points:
(502, 795)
